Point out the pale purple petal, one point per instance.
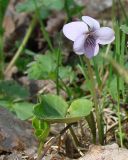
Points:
(91, 50)
(105, 35)
(74, 29)
(79, 44)
(93, 24)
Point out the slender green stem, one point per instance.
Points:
(39, 152)
(113, 12)
(23, 44)
(97, 109)
(90, 119)
(83, 70)
(123, 40)
(123, 10)
(57, 72)
(118, 113)
(68, 91)
(45, 33)
(97, 73)
(67, 10)
(120, 61)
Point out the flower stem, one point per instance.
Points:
(23, 44)
(90, 119)
(97, 109)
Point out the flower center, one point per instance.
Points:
(91, 40)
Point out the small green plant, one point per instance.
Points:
(13, 96)
(90, 85)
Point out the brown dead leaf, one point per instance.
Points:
(55, 22)
(8, 25)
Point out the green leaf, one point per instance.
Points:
(28, 6)
(43, 67)
(124, 28)
(5, 103)
(66, 72)
(36, 123)
(24, 110)
(123, 72)
(53, 108)
(44, 13)
(42, 129)
(13, 90)
(113, 87)
(3, 6)
(54, 4)
(22, 62)
(73, 7)
(80, 108)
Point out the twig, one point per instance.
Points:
(115, 125)
(54, 140)
(74, 137)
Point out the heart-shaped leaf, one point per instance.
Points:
(24, 110)
(51, 107)
(80, 108)
(54, 109)
(12, 90)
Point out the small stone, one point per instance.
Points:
(14, 133)
(108, 152)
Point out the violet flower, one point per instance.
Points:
(87, 35)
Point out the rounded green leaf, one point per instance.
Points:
(29, 6)
(24, 110)
(51, 107)
(80, 108)
(12, 90)
(54, 4)
(54, 109)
